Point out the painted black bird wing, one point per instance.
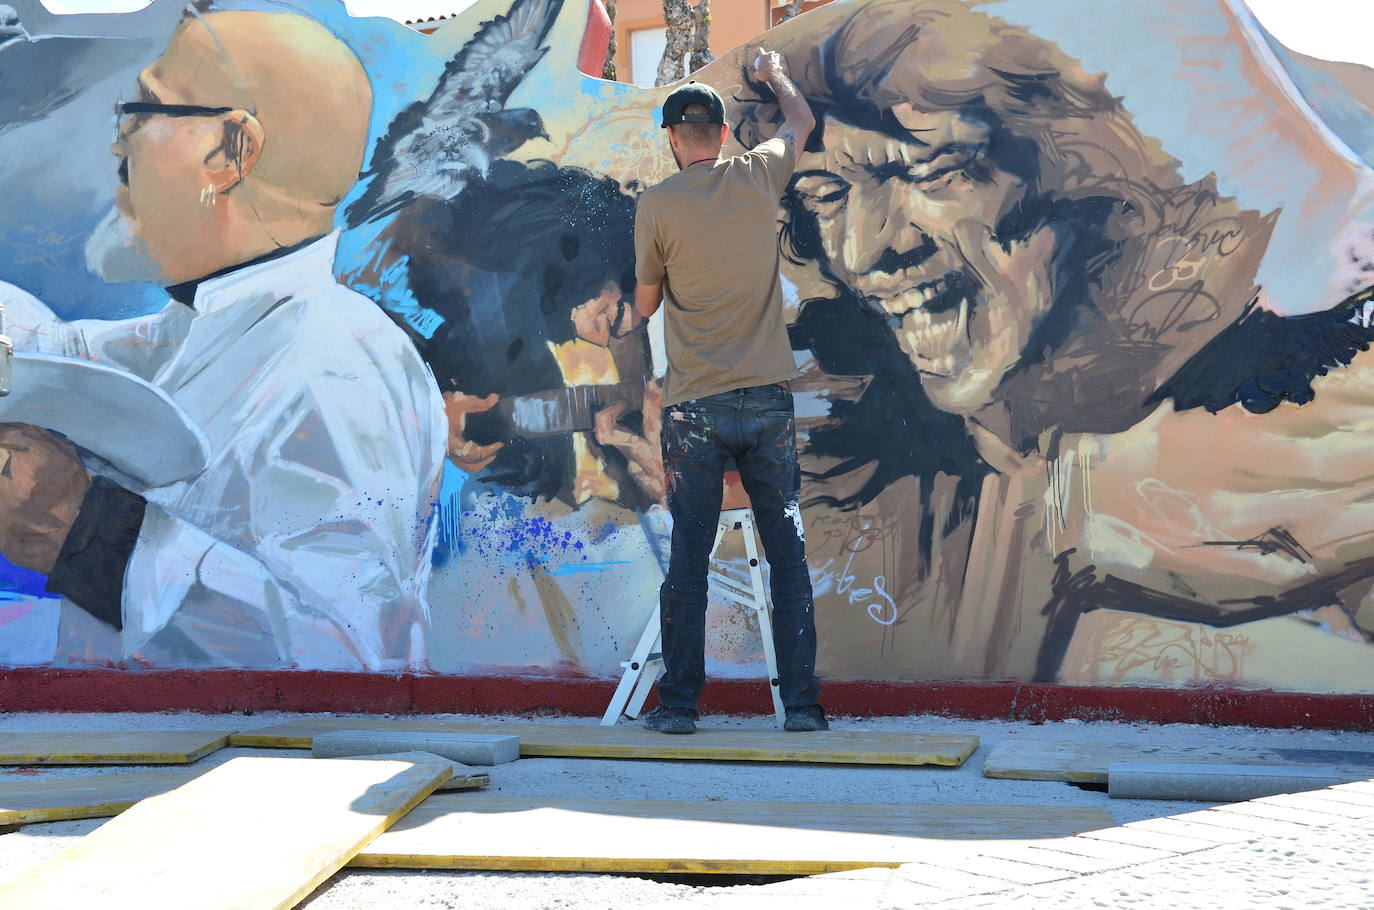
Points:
(1264, 359)
(489, 67)
(434, 147)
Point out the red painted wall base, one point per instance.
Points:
(217, 691)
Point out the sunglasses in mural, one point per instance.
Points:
(127, 112)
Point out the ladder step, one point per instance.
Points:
(731, 585)
(745, 597)
(749, 602)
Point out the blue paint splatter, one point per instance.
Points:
(576, 568)
(448, 512)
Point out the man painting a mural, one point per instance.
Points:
(304, 542)
(704, 242)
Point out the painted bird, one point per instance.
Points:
(434, 147)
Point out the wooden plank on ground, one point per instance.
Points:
(37, 799)
(49, 799)
(1086, 762)
(468, 832)
(625, 741)
(252, 834)
(106, 747)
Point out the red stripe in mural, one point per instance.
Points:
(596, 40)
(218, 691)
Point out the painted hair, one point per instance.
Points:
(1115, 198)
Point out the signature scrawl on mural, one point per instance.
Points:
(1082, 304)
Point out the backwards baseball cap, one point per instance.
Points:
(693, 93)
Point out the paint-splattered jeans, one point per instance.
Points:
(756, 427)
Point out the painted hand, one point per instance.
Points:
(462, 451)
(42, 484)
(644, 453)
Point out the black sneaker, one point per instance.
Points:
(806, 720)
(671, 720)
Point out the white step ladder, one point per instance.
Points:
(645, 664)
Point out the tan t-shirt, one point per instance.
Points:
(711, 235)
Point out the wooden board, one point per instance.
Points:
(49, 799)
(124, 747)
(36, 799)
(1086, 762)
(251, 834)
(590, 741)
(474, 832)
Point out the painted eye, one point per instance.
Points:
(941, 170)
(822, 194)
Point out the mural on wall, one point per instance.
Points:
(1082, 315)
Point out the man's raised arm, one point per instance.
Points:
(798, 120)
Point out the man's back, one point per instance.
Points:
(712, 231)
(708, 235)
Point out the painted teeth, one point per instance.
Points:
(933, 338)
(915, 297)
(926, 337)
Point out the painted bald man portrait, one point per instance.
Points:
(1037, 299)
(305, 540)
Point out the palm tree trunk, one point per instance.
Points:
(608, 71)
(701, 36)
(680, 21)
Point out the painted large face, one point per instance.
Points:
(162, 161)
(910, 226)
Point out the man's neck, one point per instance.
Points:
(702, 157)
(185, 291)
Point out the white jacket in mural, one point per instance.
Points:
(306, 541)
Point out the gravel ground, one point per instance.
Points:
(594, 778)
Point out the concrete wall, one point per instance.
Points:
(1075, 297)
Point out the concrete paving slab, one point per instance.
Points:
(1359, 786)
(1010, 871)
(956, 881)
(464, 777)
(1346, 797)
(1125, 854)
(467, 748)
(1214, 834)
(1088, 762)
(1048, 857)
(1172, 843)
(1254, 825)
(1270, 811)
(1215, 782)
(1324, 806)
